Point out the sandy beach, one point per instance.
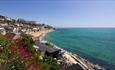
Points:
(40, 34)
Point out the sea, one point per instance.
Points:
(97, 45)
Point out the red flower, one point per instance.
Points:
(23, 53)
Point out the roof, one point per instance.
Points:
(43, 47)
(11, 36)
(75, 67)
(52, 50)
(43, 41)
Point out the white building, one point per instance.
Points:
(3, 24)
(16, 30)
(8, 18)
(2, 31)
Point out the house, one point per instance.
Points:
(2, 30)
(48, 50)
(3, 24)
(12, 36)
(53, 52)
(23, 29)
(17, 24)
(35, 29)
(9, 28)
(8, 18)
(2, 18)
(16, 30)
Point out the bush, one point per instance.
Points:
(9, 61)
(5, 48)
(17, 64)
(50, 64)
(28, 41)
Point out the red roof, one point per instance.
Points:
(10, 36)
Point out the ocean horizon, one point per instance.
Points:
(97, 45)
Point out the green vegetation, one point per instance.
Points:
(47, 63)
(5, 46)
(20, 54)
(28, 41)
(50, 64)
(9, 61)
(4, 42)
(17, 63)
(13, 61)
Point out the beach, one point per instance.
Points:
(40, 34)
(70, 57)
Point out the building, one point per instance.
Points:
(3, 24)
(12, 36)
(2, 30)
(2, 18)
(47, 50)
(16, 30)
(9, 28)
(53, 52)
(8, 18)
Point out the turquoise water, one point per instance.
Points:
(94, 44)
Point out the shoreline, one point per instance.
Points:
(40, 34)
(85, 64)
(71, 58)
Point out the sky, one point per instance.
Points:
(62, 13)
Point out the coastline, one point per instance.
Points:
(76, 59)
(70, 57)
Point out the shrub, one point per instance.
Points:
(50, 64)
(17, 64)
(28, 41)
